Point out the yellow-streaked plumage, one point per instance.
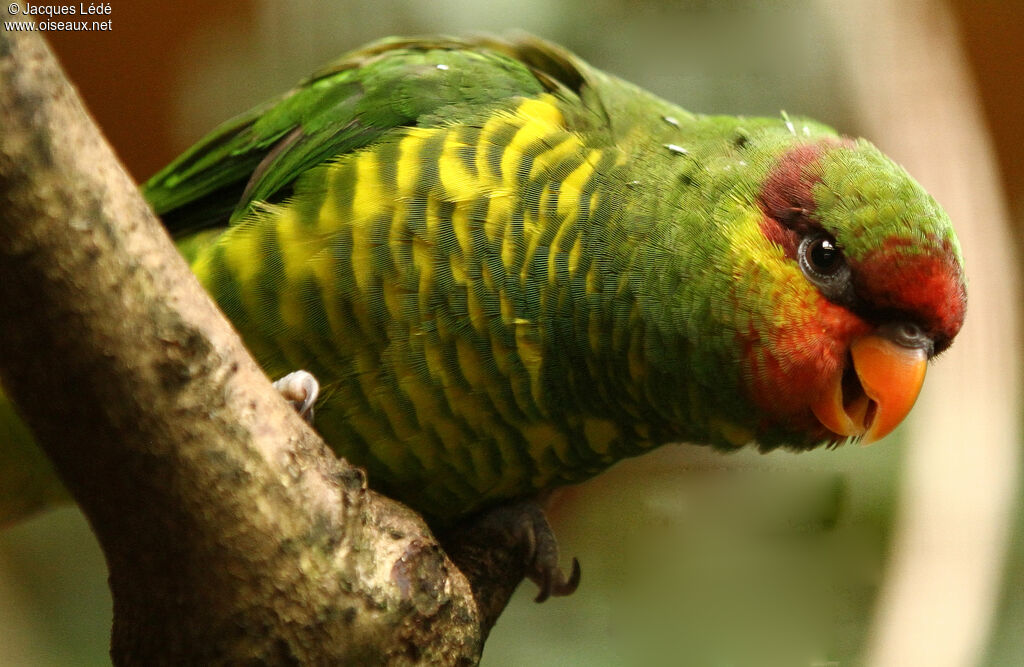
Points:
(440, 393)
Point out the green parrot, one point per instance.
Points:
(508, 270)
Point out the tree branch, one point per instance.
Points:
(231, 532)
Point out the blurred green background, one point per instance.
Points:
(910, 552)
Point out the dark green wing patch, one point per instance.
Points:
(348, 105)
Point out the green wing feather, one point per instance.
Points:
(348, 105)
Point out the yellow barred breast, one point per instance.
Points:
(404, 276)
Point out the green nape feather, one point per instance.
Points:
(509, 270)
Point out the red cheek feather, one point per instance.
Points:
(791, 366)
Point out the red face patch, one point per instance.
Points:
(787, 199)
(787, 191)
(925, 287)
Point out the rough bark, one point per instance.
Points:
(232, 534)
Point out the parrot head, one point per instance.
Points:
(846, 279)
(872, 271)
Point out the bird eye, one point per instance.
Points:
(822, 261)
(821, 255)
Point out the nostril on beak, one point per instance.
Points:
(908, 334)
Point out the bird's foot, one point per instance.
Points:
(301, 389)
(541, 554)
(524, 526)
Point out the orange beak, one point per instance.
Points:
(888, 378)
